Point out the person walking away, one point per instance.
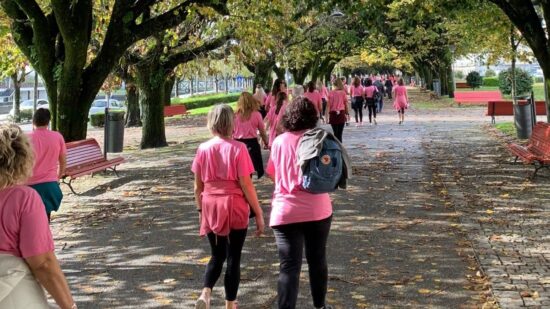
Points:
(389, 86)
(357, 94)
(261, 97)
(315, 97)
(379, 95)
(346, 89)
(27, 259)
(50, 160)
(337, 109)
(279, 85)
(324, 96)
(401, 101)
(275, 115)
(223, 194)
(370, 92)
(248, 122)
(298, 218)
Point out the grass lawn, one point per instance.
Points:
(204, 110)
(201, 97)
(538, 89)
(507, 128)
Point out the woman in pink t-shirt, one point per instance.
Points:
(224, 195)
(27, 258)
(357, 94)
(337, 109)
(261, 97)
(401, 101)
(275, 115)
(299, 219)
(279, 85)
(324, 96)
(248, 122)
(315, 97)
(370, 93)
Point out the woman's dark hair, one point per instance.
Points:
(300, 115)
(311, 86)
(277, 86)
(41, 117)
(281, 98)
(368, 83)
(356, 81)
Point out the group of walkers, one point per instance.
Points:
(225, 195)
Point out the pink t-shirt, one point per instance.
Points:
(337, 100)
(24, 229)
(248, 128)
(222, 159)
(357, 91)
(370, 90)
(324, 92)
(48, 146)
(291, 204)
(400, 97)
(315, 98)
(274, 120)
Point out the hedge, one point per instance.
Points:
(98, 120)
(490, 81)
(524, 82)
(197, 102)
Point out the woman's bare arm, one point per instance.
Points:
(250, 194)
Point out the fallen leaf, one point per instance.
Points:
(424, 291)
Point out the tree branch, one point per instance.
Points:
(185, 56)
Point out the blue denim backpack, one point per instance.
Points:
(323, 173)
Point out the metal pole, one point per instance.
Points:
(106, 127)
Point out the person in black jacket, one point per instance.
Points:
(389, 87)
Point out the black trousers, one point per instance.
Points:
(371, 105)
(225, 248)
(291, 239)
(357, 104)
(255, 152)
(338, 130)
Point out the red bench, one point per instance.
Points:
(174, 110)
(537, 150)
(476, 97)
(85, 158)
(462, 85)
(506, 108)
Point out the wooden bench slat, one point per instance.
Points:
(537, 149)
(174, 110)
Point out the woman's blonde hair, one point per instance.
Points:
(220, 120)
(16, 156)
(246, 105)
(338, 84)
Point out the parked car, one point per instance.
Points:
(98, 106)
(27, 105)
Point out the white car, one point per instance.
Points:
(98, 106)
(28, 105)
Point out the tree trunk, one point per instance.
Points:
(279, 71)
(133, 114)
(226, 84)
(168, 87)
(450, 80)
(216, 85)
(16, 98)
(151, 82)
(191, 87)
(177, 87)
(300, 74)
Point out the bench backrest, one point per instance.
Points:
(173, 110)
(83, 152)
(539, 143)
(506, 108)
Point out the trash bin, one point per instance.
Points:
(114, 132)
(523, 118)
(437, 87)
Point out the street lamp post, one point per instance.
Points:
(452, 48)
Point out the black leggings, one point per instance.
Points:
(230, 248)
(372, 110)
(291, 239)
(357, 104)
(338, 130)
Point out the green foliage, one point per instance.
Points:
(524, 82)
(490, 73)
(459, 75)
(507, 128)
(98, 120)
(204, 101)
(490, 82)
(474, 80)
(25, 114)
(539, 79)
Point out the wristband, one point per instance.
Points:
(199, 209)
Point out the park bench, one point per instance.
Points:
(174, 110)
(85, 158)
(537, 150)
(462, 85)
(476, 97)
(506, 108)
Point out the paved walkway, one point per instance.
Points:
(430, 202)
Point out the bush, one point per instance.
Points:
(474, 80)
(459, 75)
(524, 82)
(25, 114)
(490, 73)
(539, 79)
(205, 101)
(490, 81)
(98, 120)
